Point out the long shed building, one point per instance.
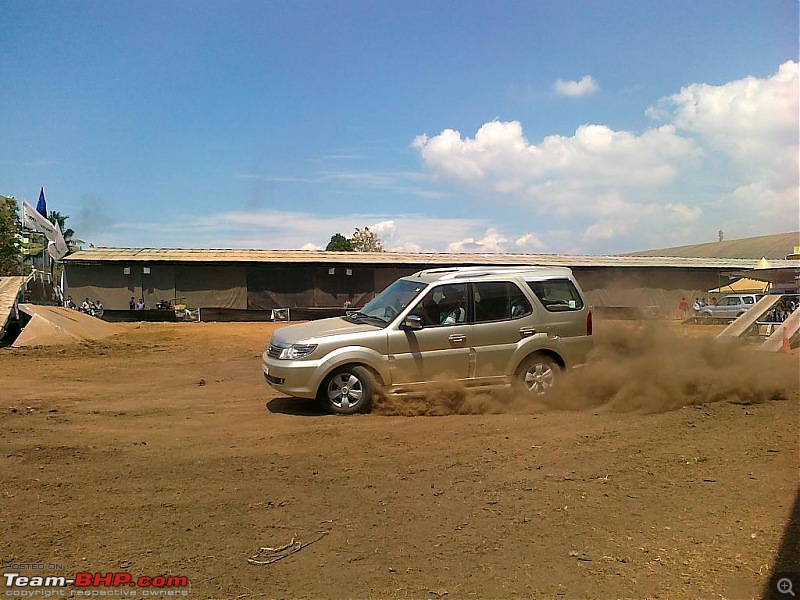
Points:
(267, 279)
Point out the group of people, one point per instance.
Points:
(781, 311)
(134, 304)
(683, 307)
(87, 307)
(698, 305)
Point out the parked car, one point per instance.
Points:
(730, 306)
(483, 327)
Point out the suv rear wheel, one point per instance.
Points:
(538, 373)
(347, 390)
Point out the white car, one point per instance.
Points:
(729, 307)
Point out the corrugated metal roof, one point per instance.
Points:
(775, 246)
(139, 255)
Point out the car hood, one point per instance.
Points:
(321, 328)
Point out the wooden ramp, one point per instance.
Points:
(57, 325)
(786, 330)
(10, 291)
(746, 321)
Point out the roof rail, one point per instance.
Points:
(450, 273)
(436, 270)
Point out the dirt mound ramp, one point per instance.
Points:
(10, 288)
(55, 325)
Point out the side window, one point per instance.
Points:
(443, 305)
(748, 300)
(557, 294)
(499, 300)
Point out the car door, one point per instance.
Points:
(732, 306)
(498, 326)
(441, 349)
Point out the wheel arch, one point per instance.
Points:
(551, 354)
(352, 356)
(350, 364)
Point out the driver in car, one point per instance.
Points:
(455, 302)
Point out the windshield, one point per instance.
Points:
(385, 306)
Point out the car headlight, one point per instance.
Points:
(296, 351)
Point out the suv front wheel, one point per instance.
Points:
(347, 390)
(537, 374)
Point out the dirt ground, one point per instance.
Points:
(668, 468)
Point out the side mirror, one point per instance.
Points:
(411, 323)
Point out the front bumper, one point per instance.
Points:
(298, 378)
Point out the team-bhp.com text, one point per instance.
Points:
(94, 584)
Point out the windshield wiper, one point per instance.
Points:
(356, 316)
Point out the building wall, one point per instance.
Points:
(258, 286)
(292, 286)
(198, 285)
(659, 289)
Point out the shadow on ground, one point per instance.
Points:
(787, 563)
(300, 407)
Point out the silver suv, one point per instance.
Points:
(730, 306)
(483, 327)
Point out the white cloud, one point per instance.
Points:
(641, 221)
(750, 117)
(529, 243)
(583, 87)
(725, 153)
(754, 123)
(494, 241)
(275, 229)
(562, 175)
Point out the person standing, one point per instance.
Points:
(683, 308)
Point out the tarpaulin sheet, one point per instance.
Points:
(114, 284)
(276, 286)
(221, 286)
(107, 282)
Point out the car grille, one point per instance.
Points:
(274, 350)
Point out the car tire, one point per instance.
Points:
(347, 390)
(537, 374)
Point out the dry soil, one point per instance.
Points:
(667, 468)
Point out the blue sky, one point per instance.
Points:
(580, 127)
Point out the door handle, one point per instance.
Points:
(457, 338)
(527, 331)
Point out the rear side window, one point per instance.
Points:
(748, 300)
(557, 294)
(498, 301)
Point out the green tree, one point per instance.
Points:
(364, 240)
(339, 243)
(10, 242)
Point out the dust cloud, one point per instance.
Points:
(637, 367)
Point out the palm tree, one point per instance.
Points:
(56, 218)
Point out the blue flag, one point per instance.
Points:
(41, 206)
